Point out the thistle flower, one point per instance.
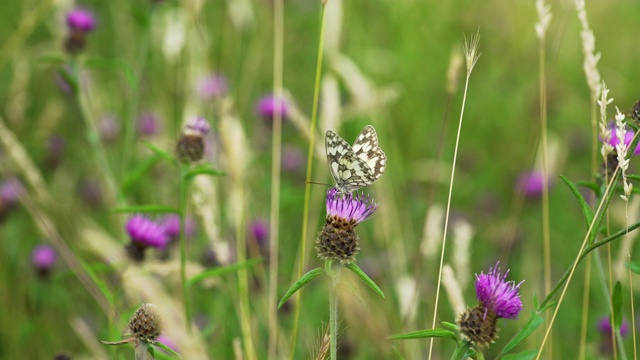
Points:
(148, 124)
(190, 146)
(259, 230)
(497, 299)
(212, 87)
(171, 226)
(145, 324)
(10, 191)
(144, 233)
(270, 105)
(338, 239)
(531, 183)
(80, 22)
(605, 329)
(43, 258)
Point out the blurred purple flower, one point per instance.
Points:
(269, 105)
(91, 192)
(627, 137)
(171, 226)
(199, 125)
(43, 257)
(109, 127)
(212, 87)
(259, 230)
(165, 340)
(10, 191)
(292, 158)
(531, 183)
(146, 232)
(81, 20)
(604, 327)
(55, 148)
(148, 124)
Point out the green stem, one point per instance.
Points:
(307, 190)
(333, 313)
(461, 351)
(183, 246)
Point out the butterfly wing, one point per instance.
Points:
(352, 173)
(366, 148)
(335, 147)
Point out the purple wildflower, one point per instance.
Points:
(148, 124)
(198, 125)
(171, 226)
(212, 87)
(498, 295)
(338, 239)
(170, 344)
(10, 191)
(146, 232)
(259, 229)
(292, 158)
(604, 326)
(43, 257)
(353, 209)
(81, 20)
(531, 183)
(270, 105)
(629, 134)
(109, 127)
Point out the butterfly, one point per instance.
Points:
(356, 166)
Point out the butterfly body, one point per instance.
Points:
(357, 166)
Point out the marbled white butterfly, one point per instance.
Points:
(356, 166)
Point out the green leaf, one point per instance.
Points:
(536, 303)
(366, 279)
(450, 326)
(305, 279)
(634, 177)
(222, 271)
(549, 305)
(158, 151)
(590, 185)
(633, 266)
(525, 355)
(430, 333)
(115, 64)
(135, 175)
(616, 300)
(463, 351)
(167, 349)
(529, 327)
(155, 209)
(151, 350)
(586, 209)
(53, 59)
(204, 169)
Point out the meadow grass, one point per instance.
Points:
(71, 133)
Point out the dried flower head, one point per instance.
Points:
(190, 146)
(145, 324)
(497, 298)
(338, 239)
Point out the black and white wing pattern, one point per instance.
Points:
(357, 166)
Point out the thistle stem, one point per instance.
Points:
(333, 313)
(183, 246)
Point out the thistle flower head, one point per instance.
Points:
(498, 295)
(338, 239)
(270, 105)
(605, 328)
(171, 226)
(81, 20)
(10, 191)
(259, 230)
(146, 232)
(145, 324)
(190, 146)
(531, 184)
(43, 257)
(353, 209)
(148, 124)
(212, 87)
(198, 125)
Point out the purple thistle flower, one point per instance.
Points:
(338, 239)
(354, 209)
(43, 257)
(171, 226)
(146, 232)
(81, 20)
(628, 136)
(212, 87)
(292, 158)
(259, 229)
(270, 105)
(198, 125)
(604, 326)
(148, 124)
(498, 295)
(531, 183)
(10, 191)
